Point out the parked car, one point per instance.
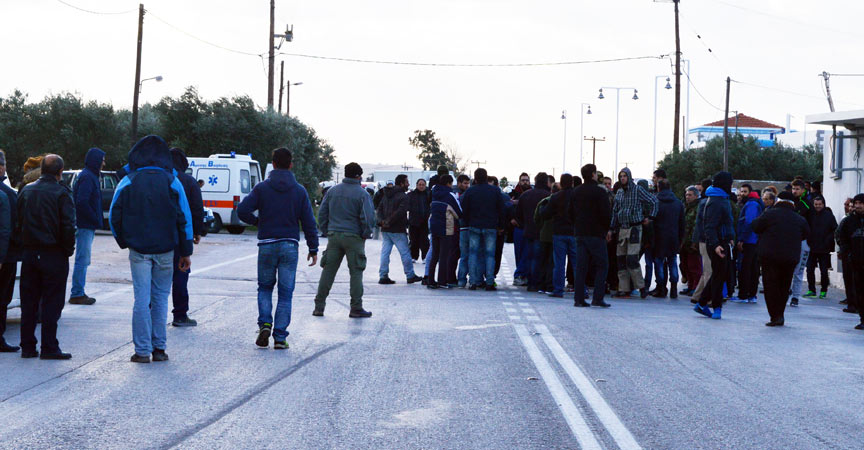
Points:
(108, 182)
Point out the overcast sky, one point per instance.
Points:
(508, 117)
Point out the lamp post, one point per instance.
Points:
(668, 86)
(582, 129)
(617, 110)
(288, 96)
(158, 78)
(564, 162)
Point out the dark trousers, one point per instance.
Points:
(530, 254)
(612, 273)
(418, 235)
(777, 279)
(453, 261)
(824, 261)
(43, 287)
(849, 282)
(719, 276)
(545, 264)
(693, 267)
(442, 247)
(858, 282)
(749, 283)
(180, 289)
(591, 253)
(7, 287)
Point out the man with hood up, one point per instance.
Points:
(283, 206)
(88, 214)
(179, 286)
(719, 232)
(669, 229)
(628, 216)
(150, 216)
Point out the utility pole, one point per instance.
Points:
(726, 128)
(675, 147)
(272, 57)
(594, 149)
(281, 83)
(288, 98)
(137, 73)
(478, 163)
(826, 76)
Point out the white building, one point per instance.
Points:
(764, 132)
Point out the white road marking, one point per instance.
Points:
(480, 327)
(515, 317)
(592, 396)
(571, 413)
(507, 303)
(512, 310)
(523, 304)
(533, 318)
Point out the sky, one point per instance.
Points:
(508, 118)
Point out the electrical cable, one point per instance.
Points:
(700, 93)
(240, 52)
(790, 92)
(786, 19)
(101, 13)
(431, 64)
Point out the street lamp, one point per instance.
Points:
(617, 110)
(288, 96)
(668, 86)
(158, 78)
(564, 162)
(582, 130)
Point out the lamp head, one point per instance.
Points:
(668, 85)
(589, 109)
(158, 78)
(601, 94)
(564, 114)
(635, 94)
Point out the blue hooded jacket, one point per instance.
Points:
(149, 212)
(442, 199)
(717, 218)
(87, 193)
(752, 209)
(282, 205)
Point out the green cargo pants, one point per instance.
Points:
(352, 247)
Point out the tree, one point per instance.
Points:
(503, 182)
(429, 146)
(747, 161)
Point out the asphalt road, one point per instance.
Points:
(434, 369)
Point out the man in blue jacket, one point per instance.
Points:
(482, 208)
(88, 215)
(150, 216)
(179, 285)
(719, 232)
(283, 205)
(747, 245)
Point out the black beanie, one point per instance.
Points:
(858, 198)
(723, 180)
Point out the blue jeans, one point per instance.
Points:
(562, 247)
(428, 260)
(666, 269)
(519, 252)
(649, 268)
(83, 243)
(530, 258)
(591, 252)
(276, 258)
(464, 256)
(482, 248)
(400, 240)
(151, 283)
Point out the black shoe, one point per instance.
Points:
(159, 355)
(386, 280)
(263, 340)
(582, 304)
(794, 302)
(82, 300)
(184, 322)
(658, 293)
(280, 345)
(359, 313)
(425, 281)
(491, 288)
(850, 310)
(29, 354)
(601, 304)
(473, 287)
(643, 293)
(432, 286)
(860, 326)
(844, 301)
(318, 312)
(775, 323)
(6, 348)
(414, 279)
(694, 301)
(58, 355)
(136, 358)
(673, 292)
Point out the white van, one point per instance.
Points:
(228, 179)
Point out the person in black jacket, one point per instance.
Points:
(13, 253)
(179, 288)
(591, 214)
(560, 211)
(850, 238)
(393, 219)
(822, 226)
(531, 232)
(719, 232)
(88, 218)
(669, 228)
(781, 232)
(46, 224)
(418, 220)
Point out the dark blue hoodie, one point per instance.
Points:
(87, 193)
(149, 212)
(192, 190)
(442, 200)
(483, 206)
(282, 205)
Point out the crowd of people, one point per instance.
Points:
(580, 234)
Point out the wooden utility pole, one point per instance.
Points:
(288, 98)
(478, 163)
(726, 128)
(137, 73)
(675, 142)
(270, 74)
(594, 147)
(281, 83)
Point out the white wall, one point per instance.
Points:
(836, 191)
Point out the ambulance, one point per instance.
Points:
(228, 179)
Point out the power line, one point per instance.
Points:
(240, 52)
(101, 13)
(434, 64)
(787, 19)
(700, 93)
(801, 94)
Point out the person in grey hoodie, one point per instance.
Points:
(346, 217)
